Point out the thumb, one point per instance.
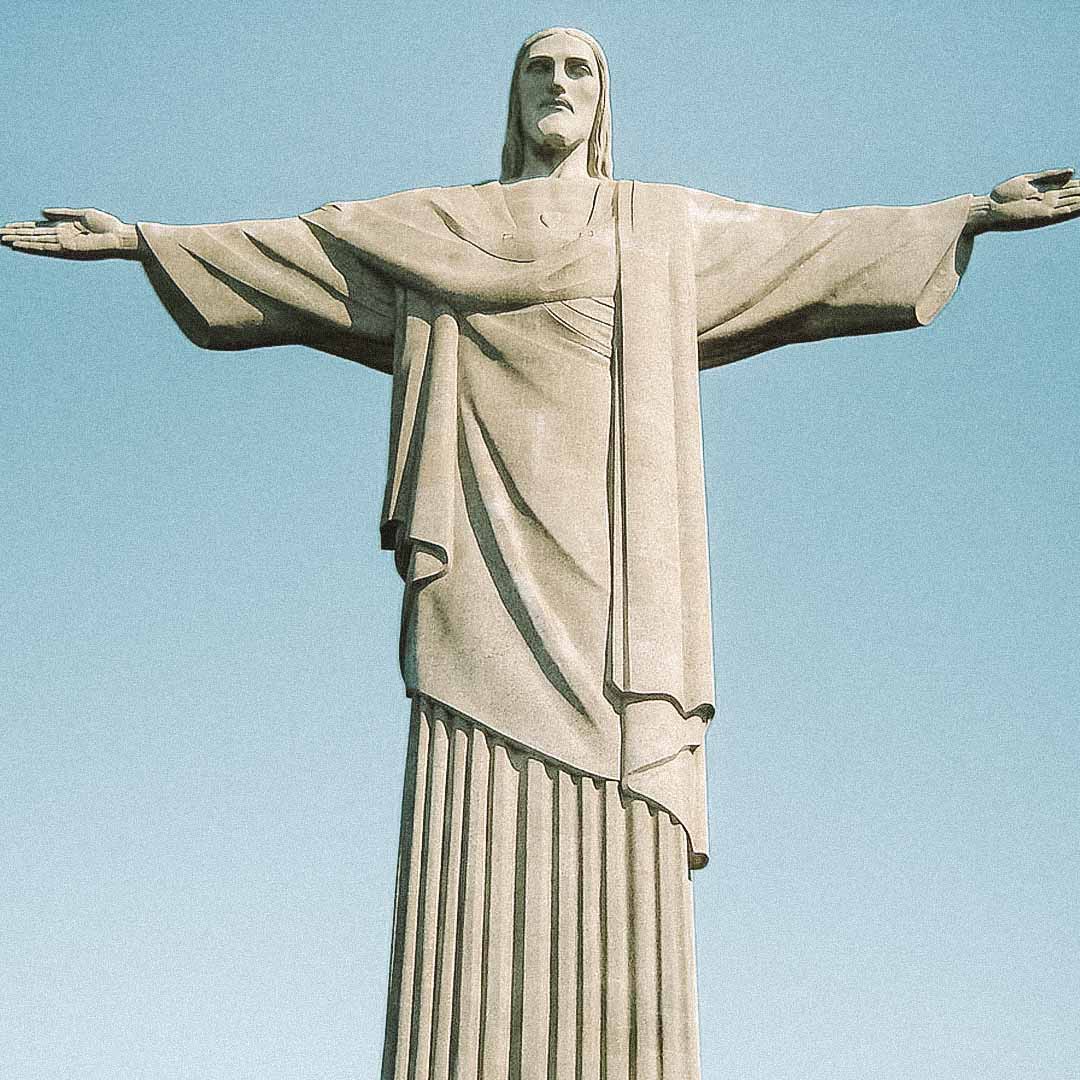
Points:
(1051, 178)
(63, 213)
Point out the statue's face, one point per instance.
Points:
(559, 92)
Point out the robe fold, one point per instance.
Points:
(545, 498)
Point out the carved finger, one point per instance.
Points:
(33, 245)
(19, 225)
(31, 233)
(10, 238)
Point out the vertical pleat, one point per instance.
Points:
(644, 973)
(686, 973)
(465, 1057)
(396, 1048)
(615, 1025)
(678, 1002)
(566, 919)
(533, 1005)
(449, 891)
(591, 969)
(428, 924)
(498, 961)
(543, 923)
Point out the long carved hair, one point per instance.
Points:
(599, 158)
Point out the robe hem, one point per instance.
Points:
(695, 860)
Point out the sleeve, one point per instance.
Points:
(769, 277)
(247, 284)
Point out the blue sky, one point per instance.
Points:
(204, 725)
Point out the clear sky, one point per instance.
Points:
(203, 725)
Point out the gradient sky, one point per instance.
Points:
(203, 721)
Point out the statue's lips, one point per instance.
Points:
(558, 103)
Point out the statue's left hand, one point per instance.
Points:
(1033, 200)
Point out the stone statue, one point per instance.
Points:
(545, 506)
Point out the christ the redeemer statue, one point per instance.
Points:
(545, 506)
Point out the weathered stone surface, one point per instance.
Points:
(545, 505)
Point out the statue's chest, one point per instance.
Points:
(541, 217)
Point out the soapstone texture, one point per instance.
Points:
(544, 335)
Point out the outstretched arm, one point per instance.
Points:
(769, 277)
(238, 285)
(1029, 201)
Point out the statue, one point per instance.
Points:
(545, 507)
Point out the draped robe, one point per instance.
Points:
(545, 498)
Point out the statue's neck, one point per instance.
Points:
(570, 165)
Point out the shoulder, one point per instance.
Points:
(696, 204)
(410, 197)
(415, 207)
(667, 207)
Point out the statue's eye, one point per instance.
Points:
(578, 68)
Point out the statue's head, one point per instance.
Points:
(558, 100)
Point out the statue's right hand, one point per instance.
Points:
(72, 234)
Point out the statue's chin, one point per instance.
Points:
(558, 133)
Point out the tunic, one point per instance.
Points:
(543, 921)
(545, 497)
